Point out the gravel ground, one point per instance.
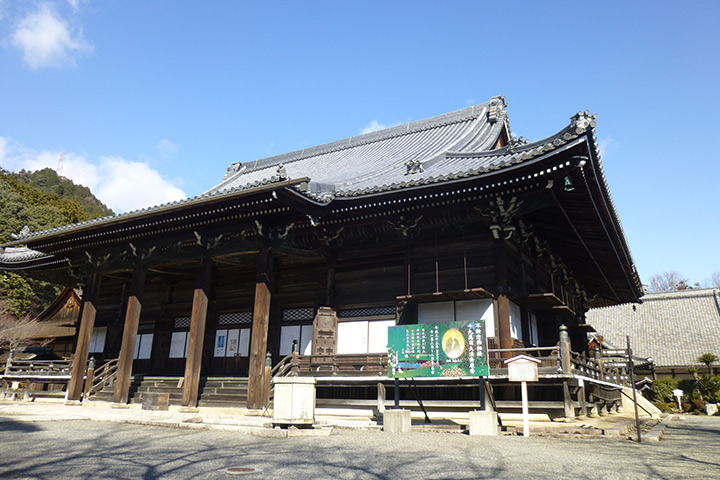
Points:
(93, 450)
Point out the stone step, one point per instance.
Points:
(224, 397)
(233, 391)
(222, 404)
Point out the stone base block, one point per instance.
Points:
(397, 421)
(484, 423)
(294, 402)
(155, 401)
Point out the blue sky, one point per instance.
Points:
(150, 101)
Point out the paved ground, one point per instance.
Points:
(34, 447)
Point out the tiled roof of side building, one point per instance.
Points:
(672, 328)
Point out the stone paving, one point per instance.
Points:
(254, 422)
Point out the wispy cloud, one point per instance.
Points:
(47, 40)
(605, 145)
(122, 184)
(166, 148)
(374, 126)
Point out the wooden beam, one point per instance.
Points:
(191, 382)
(87, 323)
(127, 348)
(258, 344)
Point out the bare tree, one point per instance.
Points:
(668, 281)
(714, 279)
(20, 332)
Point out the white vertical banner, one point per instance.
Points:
(244, 343)
(220, 342)
(232, 342)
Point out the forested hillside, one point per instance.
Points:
(40, 200)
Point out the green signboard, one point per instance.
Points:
(455, 349)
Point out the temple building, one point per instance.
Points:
(442, 219)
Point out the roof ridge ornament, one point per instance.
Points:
(582, 120)
(234, 168)
(24, 232)
(515, 142)
(413, 167)
(496, 108)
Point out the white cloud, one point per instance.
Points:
(605, 145)
(166, 148)
(373, 126)
(131, 185)
(47, 40)
(121, 184)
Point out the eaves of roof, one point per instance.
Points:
(273, 183)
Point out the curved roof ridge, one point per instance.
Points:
(580, 123)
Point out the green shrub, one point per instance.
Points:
(663, 388)
(666, 407)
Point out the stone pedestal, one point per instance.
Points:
(484, 423)
(397, 421)
(155, 401)
(294, 402)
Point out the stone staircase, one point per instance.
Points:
(226, 392)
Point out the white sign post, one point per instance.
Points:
(523, 369)
(678, 393)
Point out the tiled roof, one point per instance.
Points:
(364, 164)
(672, 328)
(448, 147)
(414, 152)
(19, 255)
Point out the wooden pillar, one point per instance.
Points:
(87, 323)
(503, 302)
(127, 348)
(258, 343)
(191, 382)
(568, 404)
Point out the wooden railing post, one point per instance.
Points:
(8, 364)
(565, 360)
(295, 364)
(267, 375)
(89, 375)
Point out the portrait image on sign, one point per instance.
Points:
(454, 349)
